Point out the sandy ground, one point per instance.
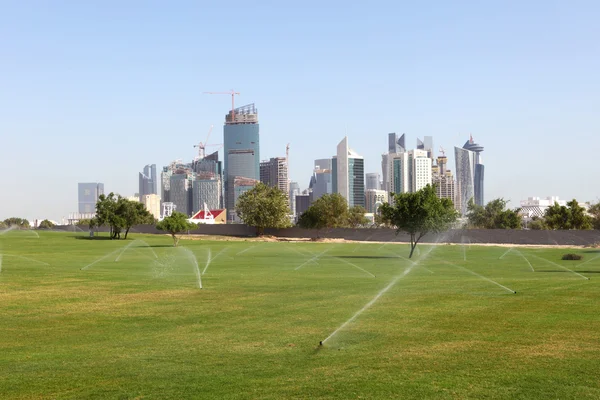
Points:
(328, 240)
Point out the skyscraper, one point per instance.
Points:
(274, 173)
(241, 151)
(148, 183)
(294, 191)
(410, 171)
(349, 174)
(469, 174)
(88, 194)
(426, 144)
(373, 181)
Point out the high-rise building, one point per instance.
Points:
(348, 178)
(469, 174)
(294, 191)
(206, 191)
(444, 182)
(373, 181)
(322, 180)
(148, 183)
(181, 185)
(426, 144)
(374, 199)
(241, 151)
(395, 146)
(302, 204)
(410, 171)
(274, 173)
(88, 194)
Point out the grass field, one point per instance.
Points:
(135, 324)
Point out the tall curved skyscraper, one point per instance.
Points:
(469, 174)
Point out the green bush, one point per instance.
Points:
(571, 256)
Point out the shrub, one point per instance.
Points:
(571, 256)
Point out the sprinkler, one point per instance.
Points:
(321, 343)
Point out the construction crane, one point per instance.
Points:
(442, 151)
(232, 93)
(202, 146)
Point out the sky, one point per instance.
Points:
(93, 91)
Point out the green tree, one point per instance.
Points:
(594, 212)
(579, 217)
(537, 223)
(558, 217)
(45, 224)
(175, 224)
(419, 213)
(328, 211)
(264, 207)
(18, 222)
(356, 217)
(494, 215)
(132, 213)
(3, 225)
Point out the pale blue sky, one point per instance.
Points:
(93, 91)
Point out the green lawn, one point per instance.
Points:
(136, 325)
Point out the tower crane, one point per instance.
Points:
(202, 146)
(232, 93)
(442, 151)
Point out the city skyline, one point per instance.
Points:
(81, 88)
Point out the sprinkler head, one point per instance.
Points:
(321, 343)
(514, 292)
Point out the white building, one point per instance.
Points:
(535, 206)
(348, 174)
(152, 204)
(409, 171)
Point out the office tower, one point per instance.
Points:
(302, 204)
(274, 173)
(469, 174)
(241, 151)
(395, 144)
(348, 178)
(479, 170)
(322, 180)
(88, 194)
(372, 181)
(409, 171)
(206, 191)
(374, 199)
(294, 191)
(426, 144)
(181, 185)
(442, 178)
(148, 181)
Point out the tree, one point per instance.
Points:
(3, 225)
(537, 223)
(419, 213)
(264, 207)
(175, 223)
(579, 218)
(328, 211)
(132, 213)
(45, 224)
(356, 217)
(494, 215)
(18, 222)
(594, 212)
(557, 217)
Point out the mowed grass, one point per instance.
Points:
(136, 325)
